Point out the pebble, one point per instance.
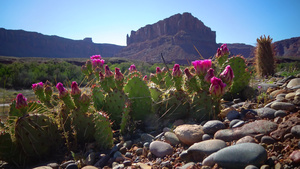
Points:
(295, 156)
(185, 156)
(240, 155)
(189, 133)
(171, 138)
(139, 151)
(280, 113)
(290, 96)
(42, 167)
(128, 155)
(205, 148)
(233, 115)
(89, 167)
(296, 131)
(251, 167)
(252, 128)
(160, 148)
(128, 144)
(212, 126)
(72, 166)
(266, 112)
(283, 106)
(246, 139)
(187, 165)
(294, 82)
(267, 140)
(90, 160)
(127, 163)
(236, 123)
(207, 137)
(265, 167)
(147, 137)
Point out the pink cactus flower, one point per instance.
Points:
(209, 75)
(132, 68)
(21, 101)
(188, 73)
(217, 87)
(62, 91)
(118, 75)
(95, 57)
(176, 71)
(75, 89)
(97, 63)
(202, 66)
(108, 73)
(37, 86)
(227, 75)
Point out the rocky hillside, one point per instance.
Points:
(174, 37)
(288, 47)
(21, 43)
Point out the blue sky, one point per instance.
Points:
(235, 21)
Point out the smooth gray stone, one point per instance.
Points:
(160, 148)
(296, 131)
(205, 148)
(283, 106)
(280, 113)
(240, 155)
(266, 112)
(213, 126)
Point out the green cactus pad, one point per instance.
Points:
(241, 76)
(125, 118)
(155, 93)
(114, 105)
(175, 104)
(140, 97)
(98, 98)
(37, 135)
(103, 131)
(84, 125)
(7, 146)
(202, 106)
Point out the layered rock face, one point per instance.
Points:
(288, 47)
(21, 43)
(175, 38)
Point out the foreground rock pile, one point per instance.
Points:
(249, 136)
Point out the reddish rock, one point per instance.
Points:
(295, 156)
(285, 127)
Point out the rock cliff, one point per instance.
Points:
(21, 43)
(175, 37)
(288, 47)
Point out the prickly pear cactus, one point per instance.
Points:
(37, 135)
(98, 98)
(175, 104)
(7, 146)
(114, 105)
(83, 125)
(155, 92)
(241, 76)
(125, 118)
(103, 131)
(201, 107)
(139, 96)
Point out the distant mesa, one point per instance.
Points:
(177, 38)
(21, 43)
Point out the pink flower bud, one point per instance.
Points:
(61, 89)
(217, 87)
(209, 75)
(95, 57)
(132, 68)
(176, 71)
(188, 73)
(37, 86)
(108, 73)
(75, 89)
(223, 50)
(21, 101)
(145, 78)
(118, 75)
(158, 71)
(227, 75)
(101, 75)
(202, 66)
(97, 63)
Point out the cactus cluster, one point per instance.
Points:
(71, 117)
